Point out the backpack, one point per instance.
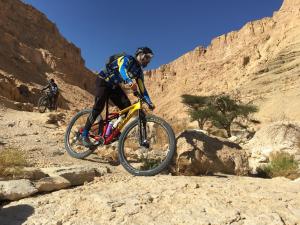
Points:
(54, 88)
(113, 58)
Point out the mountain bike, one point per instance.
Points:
(146, 143)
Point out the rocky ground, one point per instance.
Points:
(119, 198)
(39, 137)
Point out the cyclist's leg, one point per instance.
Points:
(55, 100)
(51, 99)
(119, 98)
(102, 91)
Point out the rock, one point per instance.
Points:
(29, 173)
(24, 106)
(11, 124)
(297, 180)
(58, 152)
(29, 53)
(198, 154)
(232, 138)
(16, 189)
(275, 137)
(48, 184)
(56, 118)
(76, 175)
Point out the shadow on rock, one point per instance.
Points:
(15, 215)
(200, 154)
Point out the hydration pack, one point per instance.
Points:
(113, 58)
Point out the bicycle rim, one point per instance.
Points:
(73, 138)
(43, 104)
(147, 160)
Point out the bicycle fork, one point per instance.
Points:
(143, 130)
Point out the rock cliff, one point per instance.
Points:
(259, 64)
(33, 50)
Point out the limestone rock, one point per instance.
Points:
(76, 175)
(198, 154)
(275, 137)
(258, 63)
(16, 189)
(52, 184)
(32, 50)
(29, 173)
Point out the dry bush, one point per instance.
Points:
(11, 158)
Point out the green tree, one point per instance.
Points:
(198, 109)
(220, 109)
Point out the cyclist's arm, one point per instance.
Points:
(123, 64)
(46, 87)
(143, 90)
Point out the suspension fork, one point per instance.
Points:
(142, 129)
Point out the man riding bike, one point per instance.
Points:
(53, 93)
(123, 69)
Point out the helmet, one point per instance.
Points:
(51, 80)
(144, 50)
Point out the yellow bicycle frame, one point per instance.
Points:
(131, 112)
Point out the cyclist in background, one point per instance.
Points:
(53, 93)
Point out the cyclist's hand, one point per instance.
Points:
(133, 86)
(151, 106)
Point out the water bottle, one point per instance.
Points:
(109, 129)
(118, 121)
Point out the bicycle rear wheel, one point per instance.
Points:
(73, 137)
(43, 103)
(154, 154)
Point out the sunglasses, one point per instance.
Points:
(147, 57)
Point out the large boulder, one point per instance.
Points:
(275, 137)
(16, 189)
(198, 153)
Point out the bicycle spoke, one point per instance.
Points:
(145, 158)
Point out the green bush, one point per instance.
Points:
(221, 110)
(281, 164)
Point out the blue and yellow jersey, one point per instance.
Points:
(124, 70)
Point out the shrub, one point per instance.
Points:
(282, 165)
(11, 158)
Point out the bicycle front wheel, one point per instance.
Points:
(150, 154)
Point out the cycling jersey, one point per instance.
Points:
(123, 70)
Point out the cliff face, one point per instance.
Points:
(260, 63)
(31, 51)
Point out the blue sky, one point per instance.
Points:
(170, 27)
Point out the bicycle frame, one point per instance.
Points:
(130, 111)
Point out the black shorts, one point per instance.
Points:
(115, 94)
